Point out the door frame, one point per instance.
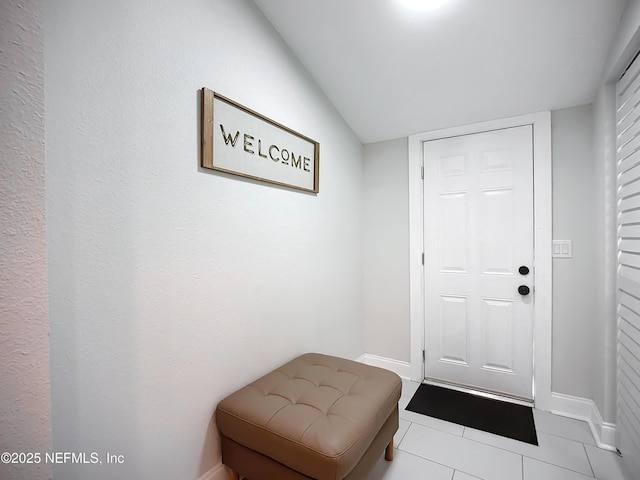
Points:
(542, 224)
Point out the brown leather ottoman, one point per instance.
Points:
(316, 417)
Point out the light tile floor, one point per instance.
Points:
(428, 448)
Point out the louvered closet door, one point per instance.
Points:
(628, 132)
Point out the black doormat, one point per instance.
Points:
(493, 416)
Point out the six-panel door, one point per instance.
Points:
(478, 232)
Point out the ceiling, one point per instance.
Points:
(391, 72)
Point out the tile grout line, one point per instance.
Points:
(429, 460)
(457, 436)
(404, 434)
(434, 427)
(559, 467)
(541, 460)
(522, 457)
(504, 449)
(555, 435)
(454, 470)
(593, 473)
(582, 422)
(565, 438)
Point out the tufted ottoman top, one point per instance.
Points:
(316, 414)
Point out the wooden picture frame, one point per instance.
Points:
(240, 141)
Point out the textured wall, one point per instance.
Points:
(24, 324)
(170, 285)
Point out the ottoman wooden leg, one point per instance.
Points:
(388, 453)
(233, 475)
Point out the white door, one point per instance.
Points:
(478, 233)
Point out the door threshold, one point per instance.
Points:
(482, 393)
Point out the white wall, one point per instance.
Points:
(574, 280)
(171, 286)
(386, 250)
(25, 404)
(605, 158)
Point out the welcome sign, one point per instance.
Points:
(237, 140)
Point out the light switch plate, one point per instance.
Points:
(562, 249)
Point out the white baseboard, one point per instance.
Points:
(403, 369)
(584, 409)
(217, 472)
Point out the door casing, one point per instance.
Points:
(542, 320)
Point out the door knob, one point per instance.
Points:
(524, 290)
(523, 270)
